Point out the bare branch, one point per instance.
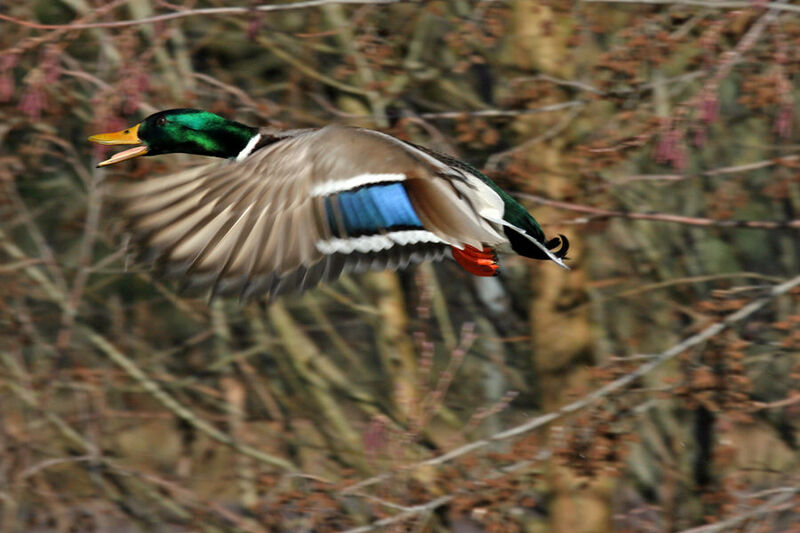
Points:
(720, 171)
(599, 213)
(457, 115)
(209, 11)
(778, 503)
(408, 513)
(503, 113)
(722, 4)
(583, 86)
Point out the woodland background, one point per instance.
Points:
(652, 388)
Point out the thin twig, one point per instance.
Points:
(600, 213)
(775, 504)
(639, 88)
(399, 517)
(458, 115)
(503, 113)
(94, 203)
(722, 4)
(791, 400)
(209, 11)
(719, 171)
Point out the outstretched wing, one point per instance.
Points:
(305, 208)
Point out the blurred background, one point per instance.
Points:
(660, 136)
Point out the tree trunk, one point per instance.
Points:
(561, 341)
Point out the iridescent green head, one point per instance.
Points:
(186, 131)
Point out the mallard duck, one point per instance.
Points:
(289, 209)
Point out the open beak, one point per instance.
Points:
(127, 136)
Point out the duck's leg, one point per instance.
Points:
(478, 262)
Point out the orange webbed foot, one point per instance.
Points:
(477, 262)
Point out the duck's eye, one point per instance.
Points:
(161, 121)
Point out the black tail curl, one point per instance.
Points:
(523, 246)
(561, 253)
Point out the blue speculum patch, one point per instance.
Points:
(371, 209)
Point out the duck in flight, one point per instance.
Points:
(290, 209)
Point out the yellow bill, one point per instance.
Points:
(126, 136)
